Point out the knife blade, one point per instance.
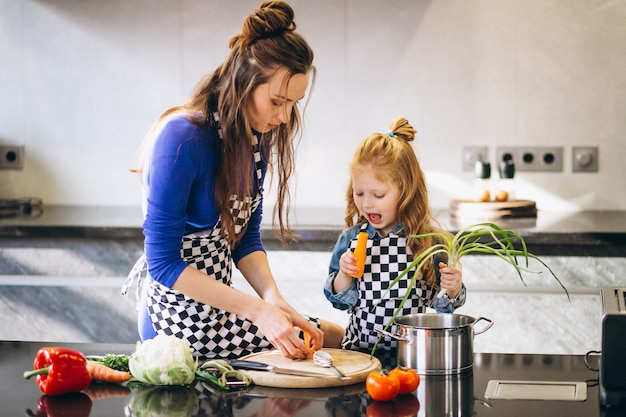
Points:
(259, 366)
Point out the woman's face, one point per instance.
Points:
(377, 201)
(271, 103)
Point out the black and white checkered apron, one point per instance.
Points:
(386, 258)
(212, 333)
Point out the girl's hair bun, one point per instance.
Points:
(272, 18)
(402, 129)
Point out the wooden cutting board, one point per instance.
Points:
(355, 365)
(492, 210)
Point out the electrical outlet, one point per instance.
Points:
(585, 159)
(471, 154)
(532, 158)
(11, 157)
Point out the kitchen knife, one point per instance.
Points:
(259, 366)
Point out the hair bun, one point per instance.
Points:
(272, 18)
(402, 129)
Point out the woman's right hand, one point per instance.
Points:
(278, 328)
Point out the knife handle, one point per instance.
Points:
(250, 365)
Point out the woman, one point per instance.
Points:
(203, 172)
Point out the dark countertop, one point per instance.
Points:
(461, 395)
(590, 233)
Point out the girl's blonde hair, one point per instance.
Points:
(267, 42)
(391, 158)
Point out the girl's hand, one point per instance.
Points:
(451, 279)
(347, 263)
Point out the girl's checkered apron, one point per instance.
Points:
(386, 258)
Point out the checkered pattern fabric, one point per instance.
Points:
(386, 258)
(212, 333)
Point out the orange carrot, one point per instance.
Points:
(103, 373)
(359, 252)
(307, 343)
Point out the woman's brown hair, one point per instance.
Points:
(267, 42)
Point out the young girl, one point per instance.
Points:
(387, 198)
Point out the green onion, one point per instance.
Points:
(224, 370)
(470, 239)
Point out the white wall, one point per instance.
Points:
(82, 80)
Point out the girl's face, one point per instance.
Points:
(377, 201)
(272, 103)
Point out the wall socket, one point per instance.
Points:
(585, 159)
(532, 158)
(471, 154)
(11, 157)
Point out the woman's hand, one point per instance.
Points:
(272, 314)
(300, 321)
(277, 325)
(316, 335)
(451, 279)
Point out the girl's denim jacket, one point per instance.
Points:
(348, 298)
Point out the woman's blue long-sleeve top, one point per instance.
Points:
(348, 298)
(179, 196)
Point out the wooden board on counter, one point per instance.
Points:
(355, 365)
(492, 210)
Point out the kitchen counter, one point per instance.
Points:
(461, 395)
(589, 233)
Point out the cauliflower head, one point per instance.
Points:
(164, 360)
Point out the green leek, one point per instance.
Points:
(469, 240)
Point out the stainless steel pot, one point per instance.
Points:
(436, 343)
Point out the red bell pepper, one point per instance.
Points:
(60, 370)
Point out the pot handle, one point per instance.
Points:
(392, 335)
(484, 329)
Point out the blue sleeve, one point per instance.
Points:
(443, 304)
(348, 298)
(178, 195)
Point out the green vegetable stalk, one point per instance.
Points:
(113, 361)
(486, 238)
(220, 373)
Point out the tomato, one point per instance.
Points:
(382, 386)
(409, 379)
